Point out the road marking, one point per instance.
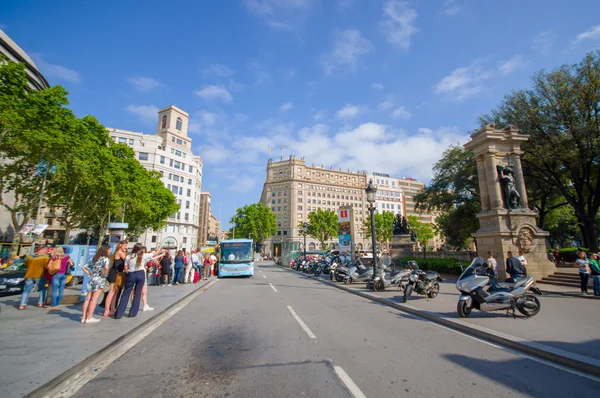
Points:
(272, 287)
(348, 382)
(302, 324)
(76, 381)
(264, 277)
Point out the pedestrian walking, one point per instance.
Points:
(115, 278)
(136, 278)
(514, 267)
(188, 274)
(179, 264)
(36, 265)
(59, 279)
(493, 268)
(584, 271)
(595, 272)
(97, 269)
(165, 264)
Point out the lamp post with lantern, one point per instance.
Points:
(304, 231)
(371, 190)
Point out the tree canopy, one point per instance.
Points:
(423, 230)
(384, 227)
(254, 221)
(322, 225)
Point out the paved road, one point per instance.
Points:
(240, 339)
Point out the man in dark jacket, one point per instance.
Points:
(514, 267)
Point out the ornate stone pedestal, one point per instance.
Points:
(401, 245)
(506, 222)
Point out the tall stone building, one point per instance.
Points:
(204, 218)
(293, 189)
(397, 195)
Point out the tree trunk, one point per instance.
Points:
(589, 234)
(14, 248)
(67, 233)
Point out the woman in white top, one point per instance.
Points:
(135, 264)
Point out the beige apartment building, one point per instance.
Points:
(204, 218)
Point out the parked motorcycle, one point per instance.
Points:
(357, 272)
(339, 272)
(386, 280)
(422, 282)
(510, 296)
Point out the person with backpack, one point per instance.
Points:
(36, 266)
(58, 267)
(595, 272)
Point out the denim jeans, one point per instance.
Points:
(29, 283)
(596, 279)
(584, 281)
(177, 275)
(58, 288)
(516, 276)
(135, 280)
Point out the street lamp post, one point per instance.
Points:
(304, 227)
(371, 190)
(88, 233)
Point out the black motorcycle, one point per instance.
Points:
(422, 282)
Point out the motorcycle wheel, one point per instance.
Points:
(339, 278)
(433, 290)
(377, 286)
(529, 301)
(318, 272)
(331, 276)
(407, 293)
(463, 309)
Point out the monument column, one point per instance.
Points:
(494, 191)
(515, 159)
(483, 191)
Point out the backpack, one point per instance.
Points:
(54, 266)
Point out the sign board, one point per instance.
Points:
(345, 221)
(169, 243)
(38, 229)
(381, 175)
(118, 225)
(26, 228)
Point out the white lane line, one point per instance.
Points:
(348, 382)
(264, 277)
(301, 322)
(272, 287)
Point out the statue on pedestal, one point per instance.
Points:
(400, 225)
(510, 195)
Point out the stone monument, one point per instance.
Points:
(403, 240)
(506, 222)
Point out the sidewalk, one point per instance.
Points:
(37, 345)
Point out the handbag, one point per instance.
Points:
(54, 266)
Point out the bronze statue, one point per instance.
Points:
(400, 225)
(510, 195)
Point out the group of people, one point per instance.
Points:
(516, 266)
(126, 274)
(588, 266)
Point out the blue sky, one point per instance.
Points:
(378, 85)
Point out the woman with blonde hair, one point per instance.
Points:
(96, 269)
(115, 278)
(59, 279)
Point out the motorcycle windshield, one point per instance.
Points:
(472, 269)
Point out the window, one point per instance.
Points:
(273, 194)
(187, 204)
(299, 216)
(299, 193)
(178, 124)
(273, 201)
(185, 238)
(131, 141)
(170, 176)
(172, 140)
(122, 140)
(143, 156)
(285, 232)
(299, 200)
(278, 232)
(179, 142)
(278, 208)
(191, 169)
(153, 238)
(171, 162)
(174, 189)
(278, 200)
(272, 209)
(189, 192)
(177, 165)
(189, 181)
(181, 191)
(300, 208)
(162, 160)
(164, 122)
(187, 217)
(307, 200)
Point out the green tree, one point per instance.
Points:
(322, 225)
(384, 227)
(562, 115)
(457, 224)
(423, 231)
(254, 221)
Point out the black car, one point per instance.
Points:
(12, 279)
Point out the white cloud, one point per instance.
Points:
(398, 23)
(377, 86)
(217, 69)
(243, 184)
(57, 71)
(146, 113)
(319, 116)
(286, 107)
(261, 74)
(401, 113)
(213, 92)
(543, 41)
(512, 65)
(592, 33)
(464, 82)
(144, 84)
(424, 130)
(280, 14)
(385, 105)
(349, 111)
(349, 46)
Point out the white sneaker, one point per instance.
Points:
(147, 308)
(92, 320)
(169, 284)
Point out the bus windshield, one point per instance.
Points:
(236, 252)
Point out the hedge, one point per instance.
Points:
(568, 254)
(449, 266)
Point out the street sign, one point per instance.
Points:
(25, 229)
(39, 228)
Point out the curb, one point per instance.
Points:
(69, 376)
(572, 295)
(578, 362)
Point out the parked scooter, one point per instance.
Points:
(339, 272)
(422, 282)
(357, 272)
(519, 294)
(384, 279)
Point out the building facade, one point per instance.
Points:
(214, 229)
(204, 218)
(293, 189)
(397, 195)
(169, 152)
